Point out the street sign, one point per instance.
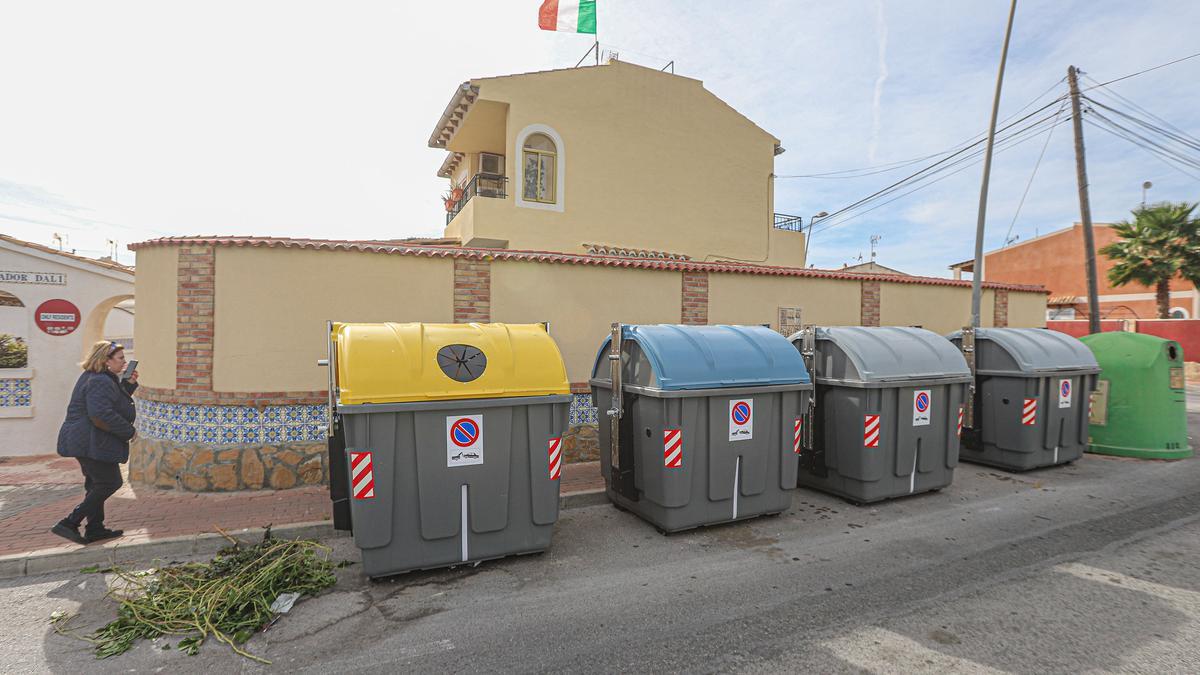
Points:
(57, 317)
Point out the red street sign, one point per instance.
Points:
(57, 317)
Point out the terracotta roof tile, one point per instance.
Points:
(432, 251)
(107, 264)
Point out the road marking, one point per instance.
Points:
(881, 651)
(1182, 599)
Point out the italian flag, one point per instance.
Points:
(571, 16)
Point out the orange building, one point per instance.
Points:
(1056, 261)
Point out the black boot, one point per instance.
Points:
(93, 535)
(68, 531)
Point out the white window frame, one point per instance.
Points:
(560, 169)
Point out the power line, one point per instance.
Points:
(1036, 164)
(1181, 157)
(1143, 72)
(904, 180)
(934, 169)
(970, 160)
(1191, 143)
(1112, 92)
(893, 166)
(1143, 146)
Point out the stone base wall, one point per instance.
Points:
(205, 468)
(581, 443)
(221, 448)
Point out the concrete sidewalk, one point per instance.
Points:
(36, 492)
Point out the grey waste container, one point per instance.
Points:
(887, 410)
(452, 440)
(709, 430)
(1032, 391)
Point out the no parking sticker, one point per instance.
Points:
(741, 419)
(1064, 393)
(922, 402)
(464, 440)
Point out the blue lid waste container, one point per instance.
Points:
(1032, 388)
(448, 440)
(705, 424)
(887, 411)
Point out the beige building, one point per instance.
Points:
(611, 160)
(591, 195)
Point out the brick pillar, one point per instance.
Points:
(695, 299)
(869, 315)
(1000, 313)
(472, 290)
(194, 321)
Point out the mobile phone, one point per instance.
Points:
(129, 368)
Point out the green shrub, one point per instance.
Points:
(14, 353)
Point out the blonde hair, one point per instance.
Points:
(98, 358)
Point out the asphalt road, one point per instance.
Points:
(1088, 567)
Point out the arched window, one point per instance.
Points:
(539, 173)
(541, 169)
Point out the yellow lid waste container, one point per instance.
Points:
(448, 440)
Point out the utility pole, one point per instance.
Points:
(1085, 207)
(977, 276)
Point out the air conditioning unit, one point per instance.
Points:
(491, 164)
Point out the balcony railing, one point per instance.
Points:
(785, 222)
(481, 185)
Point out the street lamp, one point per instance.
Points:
(1145, 186)
(811, 221)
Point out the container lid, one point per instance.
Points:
(404, 362)
(857, 354)
(709, 357)
(1029, 350)
(1120, 348)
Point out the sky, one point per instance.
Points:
(126, 121)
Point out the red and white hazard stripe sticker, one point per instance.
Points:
(555, 458)
(961, 410)
(673, 448)
(1029, 412)
(871, 431)
(362, 475)
(797, 428)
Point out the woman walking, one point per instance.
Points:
(97, 432)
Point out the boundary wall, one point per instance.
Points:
(240, 402)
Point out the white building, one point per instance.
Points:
(57, 304)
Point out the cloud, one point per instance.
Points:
(320, 129)
(881, 30)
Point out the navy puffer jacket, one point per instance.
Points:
(99, 422)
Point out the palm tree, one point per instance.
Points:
(1160, 243)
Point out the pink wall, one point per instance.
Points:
(1077, 328)
(1184, 331)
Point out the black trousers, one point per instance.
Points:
(100, 481)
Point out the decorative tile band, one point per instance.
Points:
(230, 424)
(249, 425)
(15, 393)
(582, 410)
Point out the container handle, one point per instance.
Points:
(615, 412)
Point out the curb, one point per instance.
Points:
(27, 564)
